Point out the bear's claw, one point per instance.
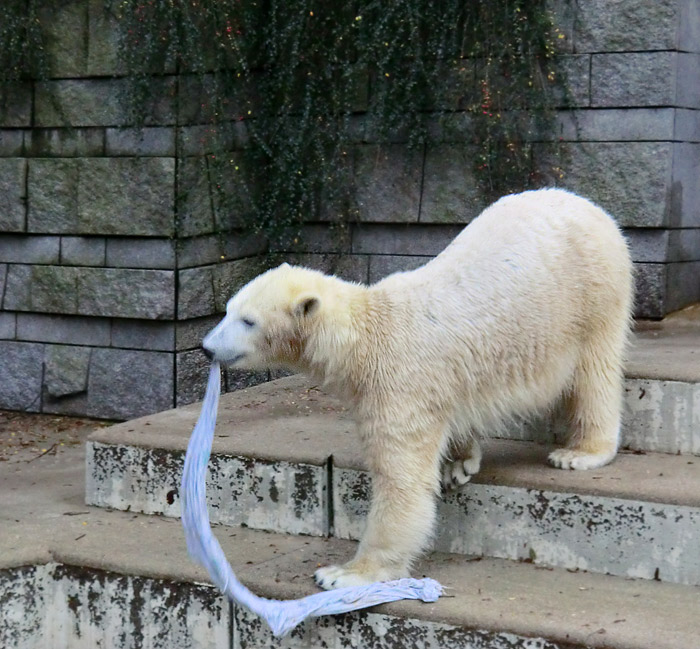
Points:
(567, 458)
(457, 473)
(331, 577)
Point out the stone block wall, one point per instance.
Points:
(116, 257)
(629, 139)
(112, 261)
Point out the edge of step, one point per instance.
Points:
(319, 435)
(633, 475)
(293, 407)
(665, 354)
(571, 609)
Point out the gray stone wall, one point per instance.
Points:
(115, 256)
(112, 259)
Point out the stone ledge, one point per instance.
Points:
(295, 494)
(289, 423)
(83, 251)
(662, 288)
(71, 290)
(603, 26)
(98, 102)
(551, 528)
(11, 143)
(70, 603)
(13, 194)
(149, 141)
(491, 601)
(140, 253)
(645, 79)
(65, 142)
(127, 196)
(666, 354)
(636, 494)
(69, 330)
(16, 110)
(494, 597)
(635, 186)
(28, 249)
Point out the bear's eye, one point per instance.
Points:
(247, 322)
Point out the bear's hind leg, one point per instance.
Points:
(595, 406)
(462, 462)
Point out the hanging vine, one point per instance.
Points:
(287, 88)
(22, 54)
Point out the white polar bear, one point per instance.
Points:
(531, 302)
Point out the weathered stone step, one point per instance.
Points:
(270, 457)
(108, 579)
(639, 517)
(286, 460)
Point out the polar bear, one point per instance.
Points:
(530, 303)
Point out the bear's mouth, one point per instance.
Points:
(235, 359)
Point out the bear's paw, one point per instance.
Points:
(456, 473)
(331, 577)
(568, 458)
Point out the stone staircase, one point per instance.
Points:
(532, 557)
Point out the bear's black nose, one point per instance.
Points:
(208, 353)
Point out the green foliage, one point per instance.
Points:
(293, 85)
(286, 89)
(22, 55)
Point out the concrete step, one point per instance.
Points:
(639, 517)
(112, 579)
(270, 457)
(286, 460)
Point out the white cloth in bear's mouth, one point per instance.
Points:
(281, 616)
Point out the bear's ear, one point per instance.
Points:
(307, 304)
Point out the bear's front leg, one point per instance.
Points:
(400, 521)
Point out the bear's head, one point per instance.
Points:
(268, 320)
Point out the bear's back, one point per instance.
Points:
(529, 237)
(544, 258)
